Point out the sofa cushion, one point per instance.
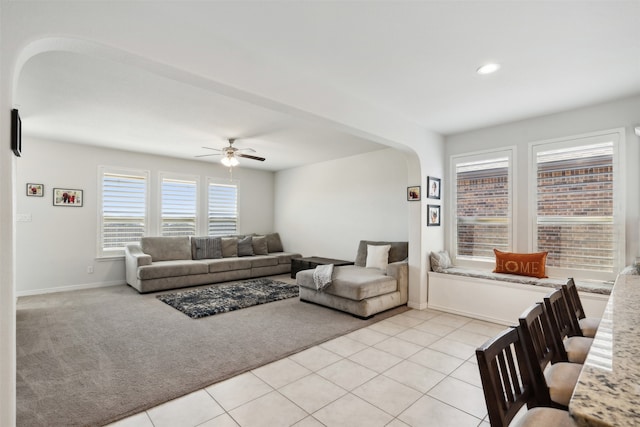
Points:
(173, 268)
(274, 244)
(229, 247)
(260, 245)
(166, 248)
(263, 261)
(228, 264)
(245, 246)
(206, 247)
(399, 251)
(351, 282)
(285, 257)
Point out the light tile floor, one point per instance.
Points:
(414, 369)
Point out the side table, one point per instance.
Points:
(307, 263)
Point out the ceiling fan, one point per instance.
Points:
(230, 154)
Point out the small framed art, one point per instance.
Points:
(413, 193)
(67, 197)
(35, 190)
(433, 215)
(433, 187)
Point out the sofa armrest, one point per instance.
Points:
(400, 271)
(134, 258)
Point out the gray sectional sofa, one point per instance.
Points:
(360, 290)
(161, 263)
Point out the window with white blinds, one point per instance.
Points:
(179, 206)
(483, 203)
(575, 219)
(123, 213)
(223, 209)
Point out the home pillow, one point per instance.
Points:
(245, 246)
(207, 247)
(378, 256)
(274, 244)
(229, 247)
(522, 264)
(260, 245)
(440, 261)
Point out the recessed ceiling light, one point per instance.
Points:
(488, 68)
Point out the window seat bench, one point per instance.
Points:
(501, 298)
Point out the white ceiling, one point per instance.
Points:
(415, 60)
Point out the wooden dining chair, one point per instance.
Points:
(553, 382)
(571, 348)
(506, 382)
(586, 326)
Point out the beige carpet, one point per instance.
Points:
(94, 356)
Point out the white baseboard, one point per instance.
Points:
(69, 288)
(417, 305)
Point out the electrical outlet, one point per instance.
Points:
(90, 269)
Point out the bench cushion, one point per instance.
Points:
(352, 282)
(596, 287)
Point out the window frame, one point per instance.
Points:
(511, 154)
(103, 253)
(178, 177)
(619, 185)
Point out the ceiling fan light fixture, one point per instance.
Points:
(488, 68)
(229, 161)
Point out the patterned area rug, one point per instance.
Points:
(223, 298)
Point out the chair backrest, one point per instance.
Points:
(399, 251)
(541, 347)
(505, 376)
(571, 292)
(556, 305)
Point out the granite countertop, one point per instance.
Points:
(608, 391)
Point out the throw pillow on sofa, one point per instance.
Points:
(378, 256)
(245, 246)
(260, 245)
(274, 244)
(229, 247)
(206, 247)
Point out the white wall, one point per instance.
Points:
(326, 208)
(623, 113)
(57, 245)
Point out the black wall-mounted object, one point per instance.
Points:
(16, 133)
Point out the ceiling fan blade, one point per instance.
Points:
(207, 155)
(214, 149)
(246, 149)
(248, 156)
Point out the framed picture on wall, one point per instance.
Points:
(413, 193)
(433, 215)
(433, 187)
(35, 190)
(67, 197)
